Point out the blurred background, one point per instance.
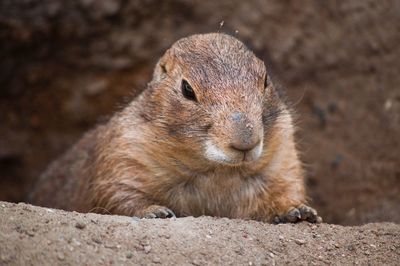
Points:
(67, 65)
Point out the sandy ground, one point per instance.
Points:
(40, 236)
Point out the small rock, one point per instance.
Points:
(156, 260)
(110, 246)
(80, 225)
(96, 240)
(271, 255)
(300, 241)
(147, 249)
(315, 235)
(313, 226)
(240, 251)
(350, 248)
(144, 242)
(129, 255)
(60, 256)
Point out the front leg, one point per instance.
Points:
(127, 197)
(289, 204)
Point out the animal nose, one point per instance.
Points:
(246, 136)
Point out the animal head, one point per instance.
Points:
(213, 97)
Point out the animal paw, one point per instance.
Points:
(156, 211)
(298, 214)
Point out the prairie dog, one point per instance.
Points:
(208, 136)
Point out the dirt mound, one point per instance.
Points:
(34, 235)
(67, 64)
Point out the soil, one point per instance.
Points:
(54, 237)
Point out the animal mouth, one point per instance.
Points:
(231, 157)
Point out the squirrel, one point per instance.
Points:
(210, 135)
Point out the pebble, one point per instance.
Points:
(156, 260)
(147, 249)
(80, 225)
(144, 242)
(96, 240)
(300, 241)
(60, 256)
(271, 255)
(129, 255)
(315, 235)
(110, 246)
(240, 251)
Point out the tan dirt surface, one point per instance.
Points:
(38, 236)
(67, 65)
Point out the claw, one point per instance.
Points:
(171, 214)
(156, 211)
(150, 216)
(301, 213)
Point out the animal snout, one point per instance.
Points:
(246, 135)
(244, 146)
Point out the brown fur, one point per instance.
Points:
(153, 152)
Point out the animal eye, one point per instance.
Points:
(187, 91)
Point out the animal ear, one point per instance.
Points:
(165, 65)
